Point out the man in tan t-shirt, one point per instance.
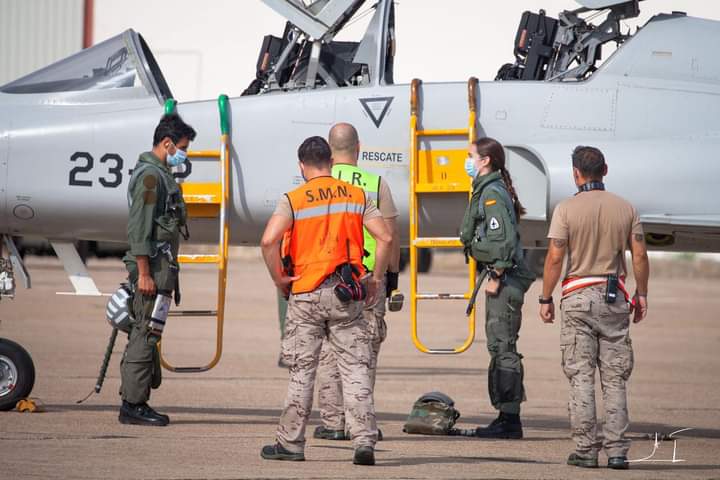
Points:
(595, 228)
(345, 145)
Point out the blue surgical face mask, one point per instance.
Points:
(470, 167)
(177, 158)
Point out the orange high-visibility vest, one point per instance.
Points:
(327, 230)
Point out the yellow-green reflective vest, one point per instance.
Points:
(371, 184)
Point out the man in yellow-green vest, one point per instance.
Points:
(345, 146)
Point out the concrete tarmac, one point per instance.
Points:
(221, 419)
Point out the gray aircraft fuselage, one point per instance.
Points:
(652, 108)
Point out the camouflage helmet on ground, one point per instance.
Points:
(432, 414)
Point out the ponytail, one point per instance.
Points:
(519, 209)
(489, 147)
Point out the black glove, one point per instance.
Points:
(391, 283)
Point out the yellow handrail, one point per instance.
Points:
(222, 256)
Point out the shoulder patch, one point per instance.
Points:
(150, 182)
(490, 202)
(494, 224)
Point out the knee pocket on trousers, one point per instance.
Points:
(505, 378)
(142, 348)
(623, 359)
(567, 349)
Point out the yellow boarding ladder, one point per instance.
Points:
(437, 172)
(209, 200)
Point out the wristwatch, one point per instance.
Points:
(545, 301)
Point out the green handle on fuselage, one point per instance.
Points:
(223, 104)
(170, 106)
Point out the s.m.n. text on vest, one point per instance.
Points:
(328, 193)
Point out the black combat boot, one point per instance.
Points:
(327, 434)
(505, 426)
(278, 452)
(156, 413)
(364, 456)
(618, 463)
(141, 414)
(584, 461)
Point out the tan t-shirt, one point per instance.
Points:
(597, 226)
(283, 208)
(387, 204)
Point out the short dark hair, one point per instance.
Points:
(315, 152)
(590, 161)
(173, 127)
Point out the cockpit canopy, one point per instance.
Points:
(309, 56)
(122, 67)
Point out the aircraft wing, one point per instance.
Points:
(698, 233)
(693, 221)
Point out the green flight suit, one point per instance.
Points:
(157, 214)
(490, 235)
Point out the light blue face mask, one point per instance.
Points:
(470, 167)
(177, 158)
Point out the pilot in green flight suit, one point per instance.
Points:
(490, 235)
(157, 215)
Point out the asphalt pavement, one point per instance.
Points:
(221, 419)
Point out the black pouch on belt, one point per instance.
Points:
(349, 288)
(611, 289)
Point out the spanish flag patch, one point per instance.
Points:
(490, 202)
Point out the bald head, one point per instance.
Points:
(344, 143)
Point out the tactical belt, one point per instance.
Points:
(330, 281)
(573, 284)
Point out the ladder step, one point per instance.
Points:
(192, 313)
(201, 258)
(442, 187)
(204, 154)
(442, 296)
(202, 193)
(443, 133)
(437, 242)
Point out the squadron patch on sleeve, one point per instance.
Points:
(494, 224)
(150, 182)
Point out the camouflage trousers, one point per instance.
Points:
(282, 312)
(595, 334)
(330, 391)
(140, 365)
(313, 318)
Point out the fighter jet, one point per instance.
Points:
(70, 133)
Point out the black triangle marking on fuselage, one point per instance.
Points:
(377, 120)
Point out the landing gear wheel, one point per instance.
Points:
(17, 374)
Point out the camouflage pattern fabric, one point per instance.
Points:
(595, 334)
(431, 417)
(313, 317)
(330, 393)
